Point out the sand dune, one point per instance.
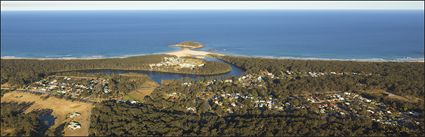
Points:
(188, 52)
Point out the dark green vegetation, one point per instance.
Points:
(24, 71)
(123, 84)
(272, 98)
(14, 122)
(123, 119)
(401, 78)
(234, 106)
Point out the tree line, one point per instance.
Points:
(24, 71)
(120, 119)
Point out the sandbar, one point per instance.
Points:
(186, 52)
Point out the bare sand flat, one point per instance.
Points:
(61, 108)
(185, 52)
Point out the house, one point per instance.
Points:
(279, 107)
(53, 82)
(228, 81)
(229, 110)
(368, 100)
(51, 87)
(187, 84)
(259, 78)
(61, 91)
(74, 125)
(271, 75)
(120, 101)
(233, 104)
(66, 78)
(288, 72)
(312, 74)
(413, 113)
(74, 114)
(191, 109)
(105, 89)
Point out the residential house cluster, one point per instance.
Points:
(233, 101)
(74, 124)
(75, 86)
(131, 102)
(319, 74)
(177, 62)
(353, 104)
(173, 96)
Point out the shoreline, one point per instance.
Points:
(408, 59)
(184, 52)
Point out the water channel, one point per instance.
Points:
(159, 76)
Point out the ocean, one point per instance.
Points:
(323, 34)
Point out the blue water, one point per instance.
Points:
(305, 34)
(160, 76)
(47, 119)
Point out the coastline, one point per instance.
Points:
(184, 52)
(408, 59)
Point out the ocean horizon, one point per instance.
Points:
(394, 35)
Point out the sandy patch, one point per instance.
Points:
(389, 95)
(185, 52)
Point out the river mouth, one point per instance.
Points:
(159, 76)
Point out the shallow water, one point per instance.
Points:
(48, 119)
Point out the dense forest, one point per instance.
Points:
(402, 78)
(24, 71)
(124, 119)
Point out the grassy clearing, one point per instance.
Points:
(7, 131)
(146, 87)
(387, 95)
(61, 108)
(140, 93)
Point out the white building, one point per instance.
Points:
(74, 114)
(74, 125)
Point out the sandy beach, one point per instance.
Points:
(185, 52)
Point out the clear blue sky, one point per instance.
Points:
(209, 5)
